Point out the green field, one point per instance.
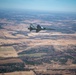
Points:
(33, 55)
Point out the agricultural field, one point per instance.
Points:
(20, 73)
(33, 55)
(8, 52)
(27, 52)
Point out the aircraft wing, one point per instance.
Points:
(37, 30)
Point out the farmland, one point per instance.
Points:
(7, 52)
(25, 52)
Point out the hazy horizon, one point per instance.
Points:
(40, 5)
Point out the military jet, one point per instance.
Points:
(38, 28)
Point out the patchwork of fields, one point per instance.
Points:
(29, 53)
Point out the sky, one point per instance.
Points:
(41, 5)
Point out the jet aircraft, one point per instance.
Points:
(38, 28)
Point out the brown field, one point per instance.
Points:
(19, 73)
(10, 60)
(8, 52)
